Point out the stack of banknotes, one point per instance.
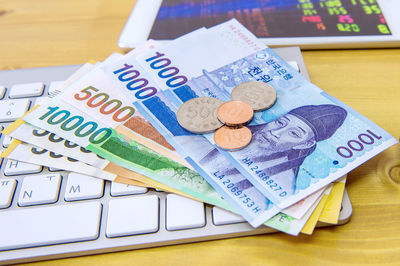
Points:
(116, 120)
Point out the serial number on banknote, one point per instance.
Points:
(237, 192)
(264, 177)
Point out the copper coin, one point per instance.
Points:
(234, 113)
(199, 115)
(231, 138)
(258, 94)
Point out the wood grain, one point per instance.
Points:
(49, 32)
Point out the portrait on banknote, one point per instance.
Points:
(280, 146)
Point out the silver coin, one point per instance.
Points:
(199, 115)
(258, 94)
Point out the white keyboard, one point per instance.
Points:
(48, 213)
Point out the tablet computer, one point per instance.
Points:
(310, 24)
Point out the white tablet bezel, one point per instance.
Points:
(144, 13)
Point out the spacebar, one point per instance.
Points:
(31, 227)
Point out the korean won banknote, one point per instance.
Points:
(304, 142)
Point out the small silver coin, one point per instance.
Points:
(199, 115)
(258, 94)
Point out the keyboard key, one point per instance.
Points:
(40, 189)
(26, 90)
(221, 217)
(81, 187)
(118, 189)
(14, 167)
(54, 86)
(184, 213)
(2, 91)
(7, 187)
(7, 141)
(133, 215)
(49, 225)
(11, 110)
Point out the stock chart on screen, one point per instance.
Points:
(273, 18)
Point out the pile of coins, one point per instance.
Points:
(207, 114)
(234, 135)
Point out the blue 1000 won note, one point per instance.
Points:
(305, 141)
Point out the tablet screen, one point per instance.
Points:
(273, 18)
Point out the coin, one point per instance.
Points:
(235, 113)
(232, 138)
(199, 115)
(258, 94)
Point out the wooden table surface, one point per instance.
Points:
(54, 32)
